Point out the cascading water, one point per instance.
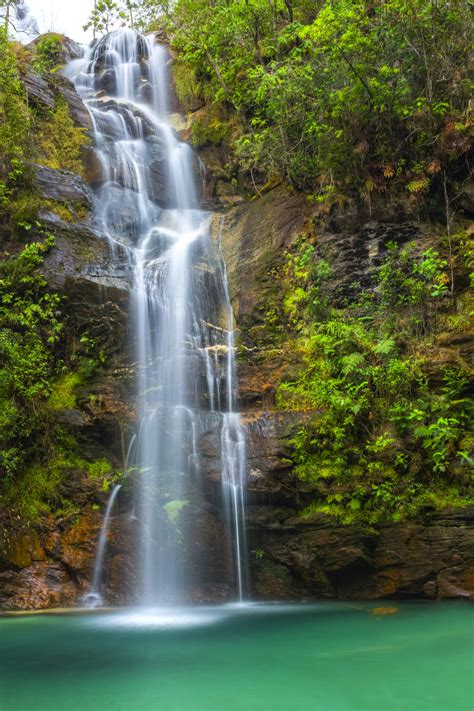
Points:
(147, 204)
(93, 597)
(234, 459)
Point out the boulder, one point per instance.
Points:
(62, 185)
(69, 49)
(79, 112)
(38, 90)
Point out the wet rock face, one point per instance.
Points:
(43, 91)
(32, 574)
(41, 586)
(53, 567)
(252, 236)
(38, 90)
(62, 185)
(431, 559)
(79, 112)
(293, 557)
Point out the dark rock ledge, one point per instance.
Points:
(431, 558)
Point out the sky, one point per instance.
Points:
(65, 16)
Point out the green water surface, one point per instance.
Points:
(327, 657)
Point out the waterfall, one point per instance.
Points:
(93, 597)
(181, 318)
(233, 451)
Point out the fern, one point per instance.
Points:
(385, 347)
(351, 363)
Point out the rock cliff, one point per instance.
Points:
(49, 563)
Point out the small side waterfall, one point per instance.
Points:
(234, 457)
(180, 311)
(93, 597)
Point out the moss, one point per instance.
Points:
(174, 508)
(59, 142)
(41, 489)
(24, 207)
(79, 210)
(58, 208)
(62, 395)
(86, 253)
(208, 128)
(23, 56)
(186, 85)
(99, 468)
(37, 491)
(67, 212)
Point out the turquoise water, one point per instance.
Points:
(326, 657)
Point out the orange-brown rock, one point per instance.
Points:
(39, 586)
(21, 549)
(78, 543)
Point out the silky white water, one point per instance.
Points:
(93, 597)
(180, 314)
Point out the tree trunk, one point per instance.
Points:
(130, 11)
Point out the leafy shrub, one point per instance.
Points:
(59, 143)
(380, 442)
(47, 55)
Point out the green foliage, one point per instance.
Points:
(206, 129)
(47, 53)
(14, 127)
(336, 97)
(381, 442)
(13, 108)
(58, 141)
(99, 468)
(405, 280)
(41, 374)
(174, 508)
(36, 384)
(45, 136)
(36, 491)
(107, 15)
(40, 489)
(30, 331)
(63, 396)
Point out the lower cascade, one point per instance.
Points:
(181, 320)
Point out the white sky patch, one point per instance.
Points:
(65, 16)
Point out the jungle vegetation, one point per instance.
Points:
(42, 366)
(353, 103)
(339, 98)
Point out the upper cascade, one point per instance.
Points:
(181, 317)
